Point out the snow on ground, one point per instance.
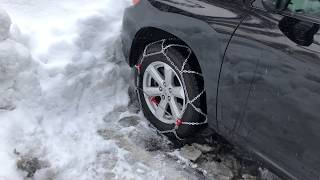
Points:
(63, 96)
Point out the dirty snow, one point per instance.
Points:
(64, 99)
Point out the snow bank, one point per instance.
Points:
(17, 69)
(19, 83)
(5, 22)
(81, 80)
(63, 96)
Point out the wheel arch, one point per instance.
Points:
(148, 35)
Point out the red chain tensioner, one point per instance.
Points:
(154, 100)
(138, 67)
(179, 122)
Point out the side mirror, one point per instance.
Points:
(300, 32)
(275, 5)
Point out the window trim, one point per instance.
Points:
(303, 17)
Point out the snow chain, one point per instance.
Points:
(181, 71)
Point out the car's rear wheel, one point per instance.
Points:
(171, 91)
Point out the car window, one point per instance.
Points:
(305, 7)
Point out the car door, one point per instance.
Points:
(273, 62)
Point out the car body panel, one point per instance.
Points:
(280, 120)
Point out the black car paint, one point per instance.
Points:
(281, 118)
(268, 92)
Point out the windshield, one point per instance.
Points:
(307, 7)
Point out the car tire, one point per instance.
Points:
(165, 58)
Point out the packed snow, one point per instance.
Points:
(64, 99)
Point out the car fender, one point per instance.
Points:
(204, 41)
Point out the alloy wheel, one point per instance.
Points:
(164, 92)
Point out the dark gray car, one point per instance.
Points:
(248, 70)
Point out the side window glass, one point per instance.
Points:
(305, 7)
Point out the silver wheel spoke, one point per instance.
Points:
(152, 91)
(162, 92)
(168, 74)
(161, 109)
(156, 75)
(174, 108)
(178, 92)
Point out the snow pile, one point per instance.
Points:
(18, 82)
(57, 122)
(63, 96)
(17, 74)
(5, 25)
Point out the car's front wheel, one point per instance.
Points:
(171, 91)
